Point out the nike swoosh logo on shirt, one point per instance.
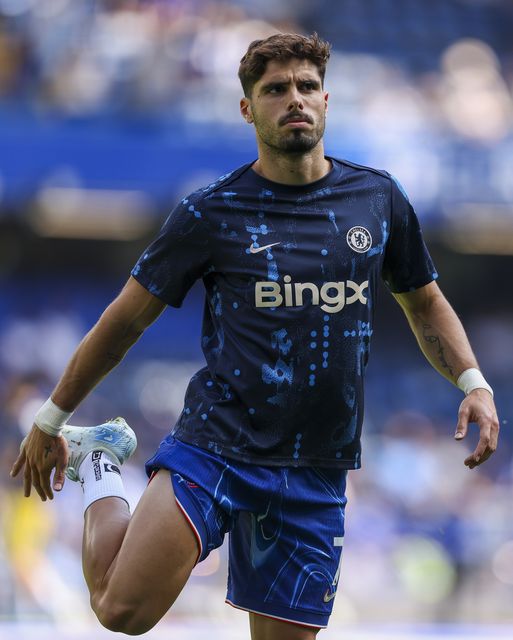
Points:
(253, 249)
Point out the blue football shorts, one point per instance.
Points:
(286, 527)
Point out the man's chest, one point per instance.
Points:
(318, 240)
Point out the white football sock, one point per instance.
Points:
(100, 477)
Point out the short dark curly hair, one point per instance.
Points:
(281, 46)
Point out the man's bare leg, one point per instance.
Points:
(105, 525)
(136, 567)
(263, 628)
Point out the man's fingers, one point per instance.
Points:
(58, 478)
(488, 435)
(470, 462)
(462, 426)
(18, 464)
(479, 409)
(485, 456)
(485, 447)
(39, 465)
(36, 482)
(482, 446)
(27, 481)
(494, 432)
(474, 461)
(45, 483)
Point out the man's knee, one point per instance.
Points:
(117, 616)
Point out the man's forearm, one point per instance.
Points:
(443, 340)
(441, 337)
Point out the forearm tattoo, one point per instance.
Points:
(435, 340)
(48, 450)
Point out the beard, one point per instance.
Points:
(293, 141)
(299, 141)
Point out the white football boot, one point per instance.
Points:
(114, 437)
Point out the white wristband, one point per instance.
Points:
(50, 418)
(472, 379)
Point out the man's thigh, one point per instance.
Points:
(156, 557)
(263, 628)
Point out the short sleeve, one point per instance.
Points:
(407, 265)
(178, 256)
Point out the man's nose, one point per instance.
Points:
(295, 100)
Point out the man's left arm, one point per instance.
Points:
(443, 341)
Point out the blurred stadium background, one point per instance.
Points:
(112, 110)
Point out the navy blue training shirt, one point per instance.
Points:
(290, 274)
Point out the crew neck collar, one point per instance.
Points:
(330, 178)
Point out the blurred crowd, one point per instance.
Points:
(445, 66)
(426, 539)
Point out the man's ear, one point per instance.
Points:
(245, 109)
(326, 96)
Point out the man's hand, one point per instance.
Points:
(479, 407)
(39, 454)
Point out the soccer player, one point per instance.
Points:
(289, 248)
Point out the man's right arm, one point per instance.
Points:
(119, 327)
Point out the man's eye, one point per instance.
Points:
(276, 89)
(308, 86)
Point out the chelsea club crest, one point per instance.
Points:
(359, 239)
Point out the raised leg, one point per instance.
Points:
(136, 567)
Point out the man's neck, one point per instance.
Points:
(288, 168)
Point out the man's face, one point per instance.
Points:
(288, 106)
